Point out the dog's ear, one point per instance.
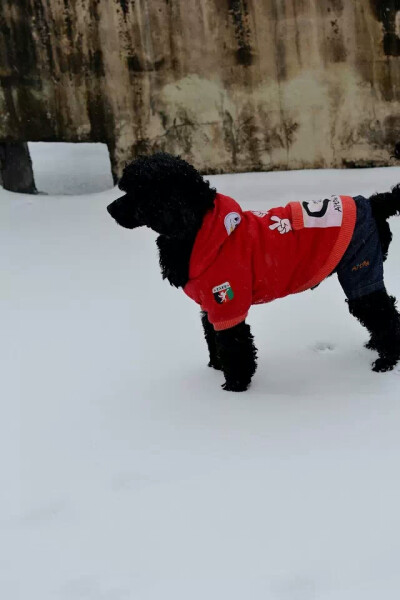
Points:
(122, 211)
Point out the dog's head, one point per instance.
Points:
(164, 193)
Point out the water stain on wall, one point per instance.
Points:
(386, 11)
(239, 12)
(125, 4)
(232, 86)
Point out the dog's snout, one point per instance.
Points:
(112, 209)
(121, 211)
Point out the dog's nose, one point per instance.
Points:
(111, 208)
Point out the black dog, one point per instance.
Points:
(168, 195)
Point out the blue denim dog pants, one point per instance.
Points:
(360, 270)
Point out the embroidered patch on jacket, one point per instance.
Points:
(282, 225)
(223, 293)
(259, 213)
(323, 213)
(362, 265)
(231, 221)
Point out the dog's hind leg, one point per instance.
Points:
(377, 312)
(209, 334)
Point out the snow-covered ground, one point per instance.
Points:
(128, 474)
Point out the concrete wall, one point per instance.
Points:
(232, 85)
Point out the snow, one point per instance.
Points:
(70, 168)
(127, 473)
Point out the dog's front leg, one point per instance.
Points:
(209, 334)
(238, 356)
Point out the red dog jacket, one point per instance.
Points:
(241, 258)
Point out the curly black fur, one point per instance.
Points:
(174, 255)
(377, 312)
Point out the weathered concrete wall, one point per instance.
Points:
(232, 85)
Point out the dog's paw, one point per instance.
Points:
(382, 365)
(214, 364)
(235, 386)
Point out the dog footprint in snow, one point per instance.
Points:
(323, 347)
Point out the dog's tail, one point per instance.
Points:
(383, 207)
(386, 205)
